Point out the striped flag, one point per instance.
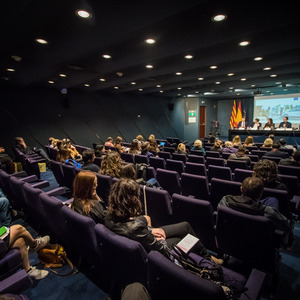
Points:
(233, 123)
(239, 115)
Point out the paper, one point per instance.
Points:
(187, 243)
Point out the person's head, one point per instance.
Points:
(270, 120)
(66, 142)
(88, 156)
(198, 144)
(243, 119)
(19, 140)
(241, 149)
(266, 170)
(282, 142)
(272, 136)
(252, 187)
(268, 142)
(63, 154)
(218, 144)
(99, 149)
(109, 139)
(237, 140)
(249, 140)
(212, 139)
(276, 146)
(228, 144)
(59, 144)
(285, 119)
(51, 140)
(151, 137)
(84, 189)
(111, 164)
(127, 171)
(140, 138)
(118, 140)
(296, 155)
(181, 147)
(153, 146)
(257, 120)
(123, 200)
(135, 145)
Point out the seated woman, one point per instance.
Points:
(118, 144)
(111, 164)
(198, 146)
(181, 149)
(268, 143)
(124, 217)
(270, 124)
(18, 237)
(229, 148)
(135, 147)
(236, 140)
(74, 153)
(99, 150)
(145, 150)
(249, 141)
(6, 160)
(86, 201)
(153, 147)
(64, 156)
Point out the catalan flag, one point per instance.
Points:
(233, 122)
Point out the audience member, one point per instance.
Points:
(291, 161)
(198, 146)
(249, 141)
(124, 217)
(109, 142)
(236, 141)
(267, 143)
(99, 150)
(140, 138)
(86, 201)
(145, 149)
(111, 164)
(18, 237)
(240, 155)
(88, 157)
(275, 152)
(21, 146)
(135, 147)
(118, 144)
(217, 146)
(153, 148)
(252, 189)
(269, 124)
(63, 154)
(6, 160)
(181, 149)
(151, 137)
(73, 151)
(284, 145)
(229, 148)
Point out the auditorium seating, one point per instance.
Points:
(169, 180)
(196, 169)
(128, 157)
(175, 165)
(195, 185)
(196, 159)
(216, 154)
(219, 172)
(180, 157)
(217, 161)
(235, 163)
(164, 154)
(141, 159)
(157, 162)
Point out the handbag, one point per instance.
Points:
(55, 256)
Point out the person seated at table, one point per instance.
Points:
(124, 217)
(291, 161)
(198, 146)
(276, 152)
(285, 123)
(243, 123)
(88, 157)
(256, 124)
(236, 141)
(240, 155)
(267, 143)
(269, 124)
(249, 141)
(229, 148)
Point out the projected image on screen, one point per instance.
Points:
(277, 107)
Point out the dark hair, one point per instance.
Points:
(257, 119)
(134, 147)
(266, 170)
(296, 155)
(252, 187)
(276, 146)
(241, 148)
(87, 155)
(286, 117)
(282, 142)
(123, 200)
(18, 140)
(271, 120)
(127, 171)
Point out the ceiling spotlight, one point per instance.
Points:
(244, 43)
(230, 74)
(188, 56)
(86, 84)
(200, 78)
(133, 83)
(120, 74)
(158, 85)
(41, 41)
(218, 82)
(150, 41)
(179, 88)
(243, 79)
(213, 67)
(63, 75)
(140, 90)
(50, 81)
(161, 91)
(83, 14)
(10, 70)
(107, 56)
(102, 79)
(178, 73)
(267, 68)
(116, 87)
(258, 58)
(149, 66)
(219, 18)
(273, 75)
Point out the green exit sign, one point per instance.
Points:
(192, 114)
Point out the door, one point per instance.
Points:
(202, 121)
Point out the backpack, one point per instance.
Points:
(141, 173)
(73, 163)
(54, 256)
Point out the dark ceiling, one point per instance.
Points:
(120, 28)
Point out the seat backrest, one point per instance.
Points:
(259, 153)
(219, 172)
(254, 158)
(215, 161)
(128, 157)
(169, 281)
(175, 165)
(159, 206)
(291, 182)
(17, 193)
(103, 188)
(169, 149)
(197, 152)
(289, 170)
(220, 188)
(128, 257)
(199, 213)
(276, 159)
(139, 159)
(168, 180)
(251, 241)
(236, 163)
(196, 169)
(58, 172)
(157, 162)
(180, 157)
(97, 161)
(195, 185)
(69, 175)
(241, 174)
(196, 159)
(213, 154)
(165, 155)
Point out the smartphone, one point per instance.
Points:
(2, 230)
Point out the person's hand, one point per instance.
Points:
(2, 150)
(148, 220)
(159, 233)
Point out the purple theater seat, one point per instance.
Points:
(196, 159)
(216, 154)
(259, 153)
(219, 172)
(195, 168)
(58, 172)
(16, 283)
(69, 175)
(169, 181)
(128, 157)
(180, 157)
(175, 165)
(157, 162)
(195, 185)
(241, 174)
(169, 281)
(103, 188)
(289, 170)
(165, 155)
(291, 182)
(215, 161)
(235, 163)
(197, 152)
(141, 159)
(199, 213)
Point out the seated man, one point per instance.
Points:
(285, 123)
(241, 155)
(6, 160)
(256, 124)
(276, 152)
(243, 123)
(88, 157)
(249, 202)
(292, 161)
(21, 146)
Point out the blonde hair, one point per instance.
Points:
(111, 164)
(181, 147)
(228, 144)
(198, 143)
(268, 142)
(236, 140)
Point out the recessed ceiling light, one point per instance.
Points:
(218, 82)
(158, 85)
(41, 41)
(273, 75)
(150, 41)
(116, 87)
(196, 92)
(86, 84)
(253, 85)
(149, 66)
(161, 91)
(120, 74)
(243, 79)
(107, 56)
(178, 94)
(244, 43)
(267, 68)
(50, 81)
(16, 58)
(258, 58)
(213, 67)
(200, 78)
(188, 56)
(83, 13)
(178, 73)
(140, 90)
(219, 18)
(102, 79)
(133, 83)
(10, 70)
(62, 75)
(179, 88)
(230, 74)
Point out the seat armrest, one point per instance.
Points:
(56, 192)
(41, 184)
(29, 179)
(16, 283)
(69, 201)
(20, 174)
(3, 247)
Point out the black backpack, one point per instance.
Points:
(141, 173)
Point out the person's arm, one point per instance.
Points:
(279, 221)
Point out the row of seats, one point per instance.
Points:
(118, 261)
